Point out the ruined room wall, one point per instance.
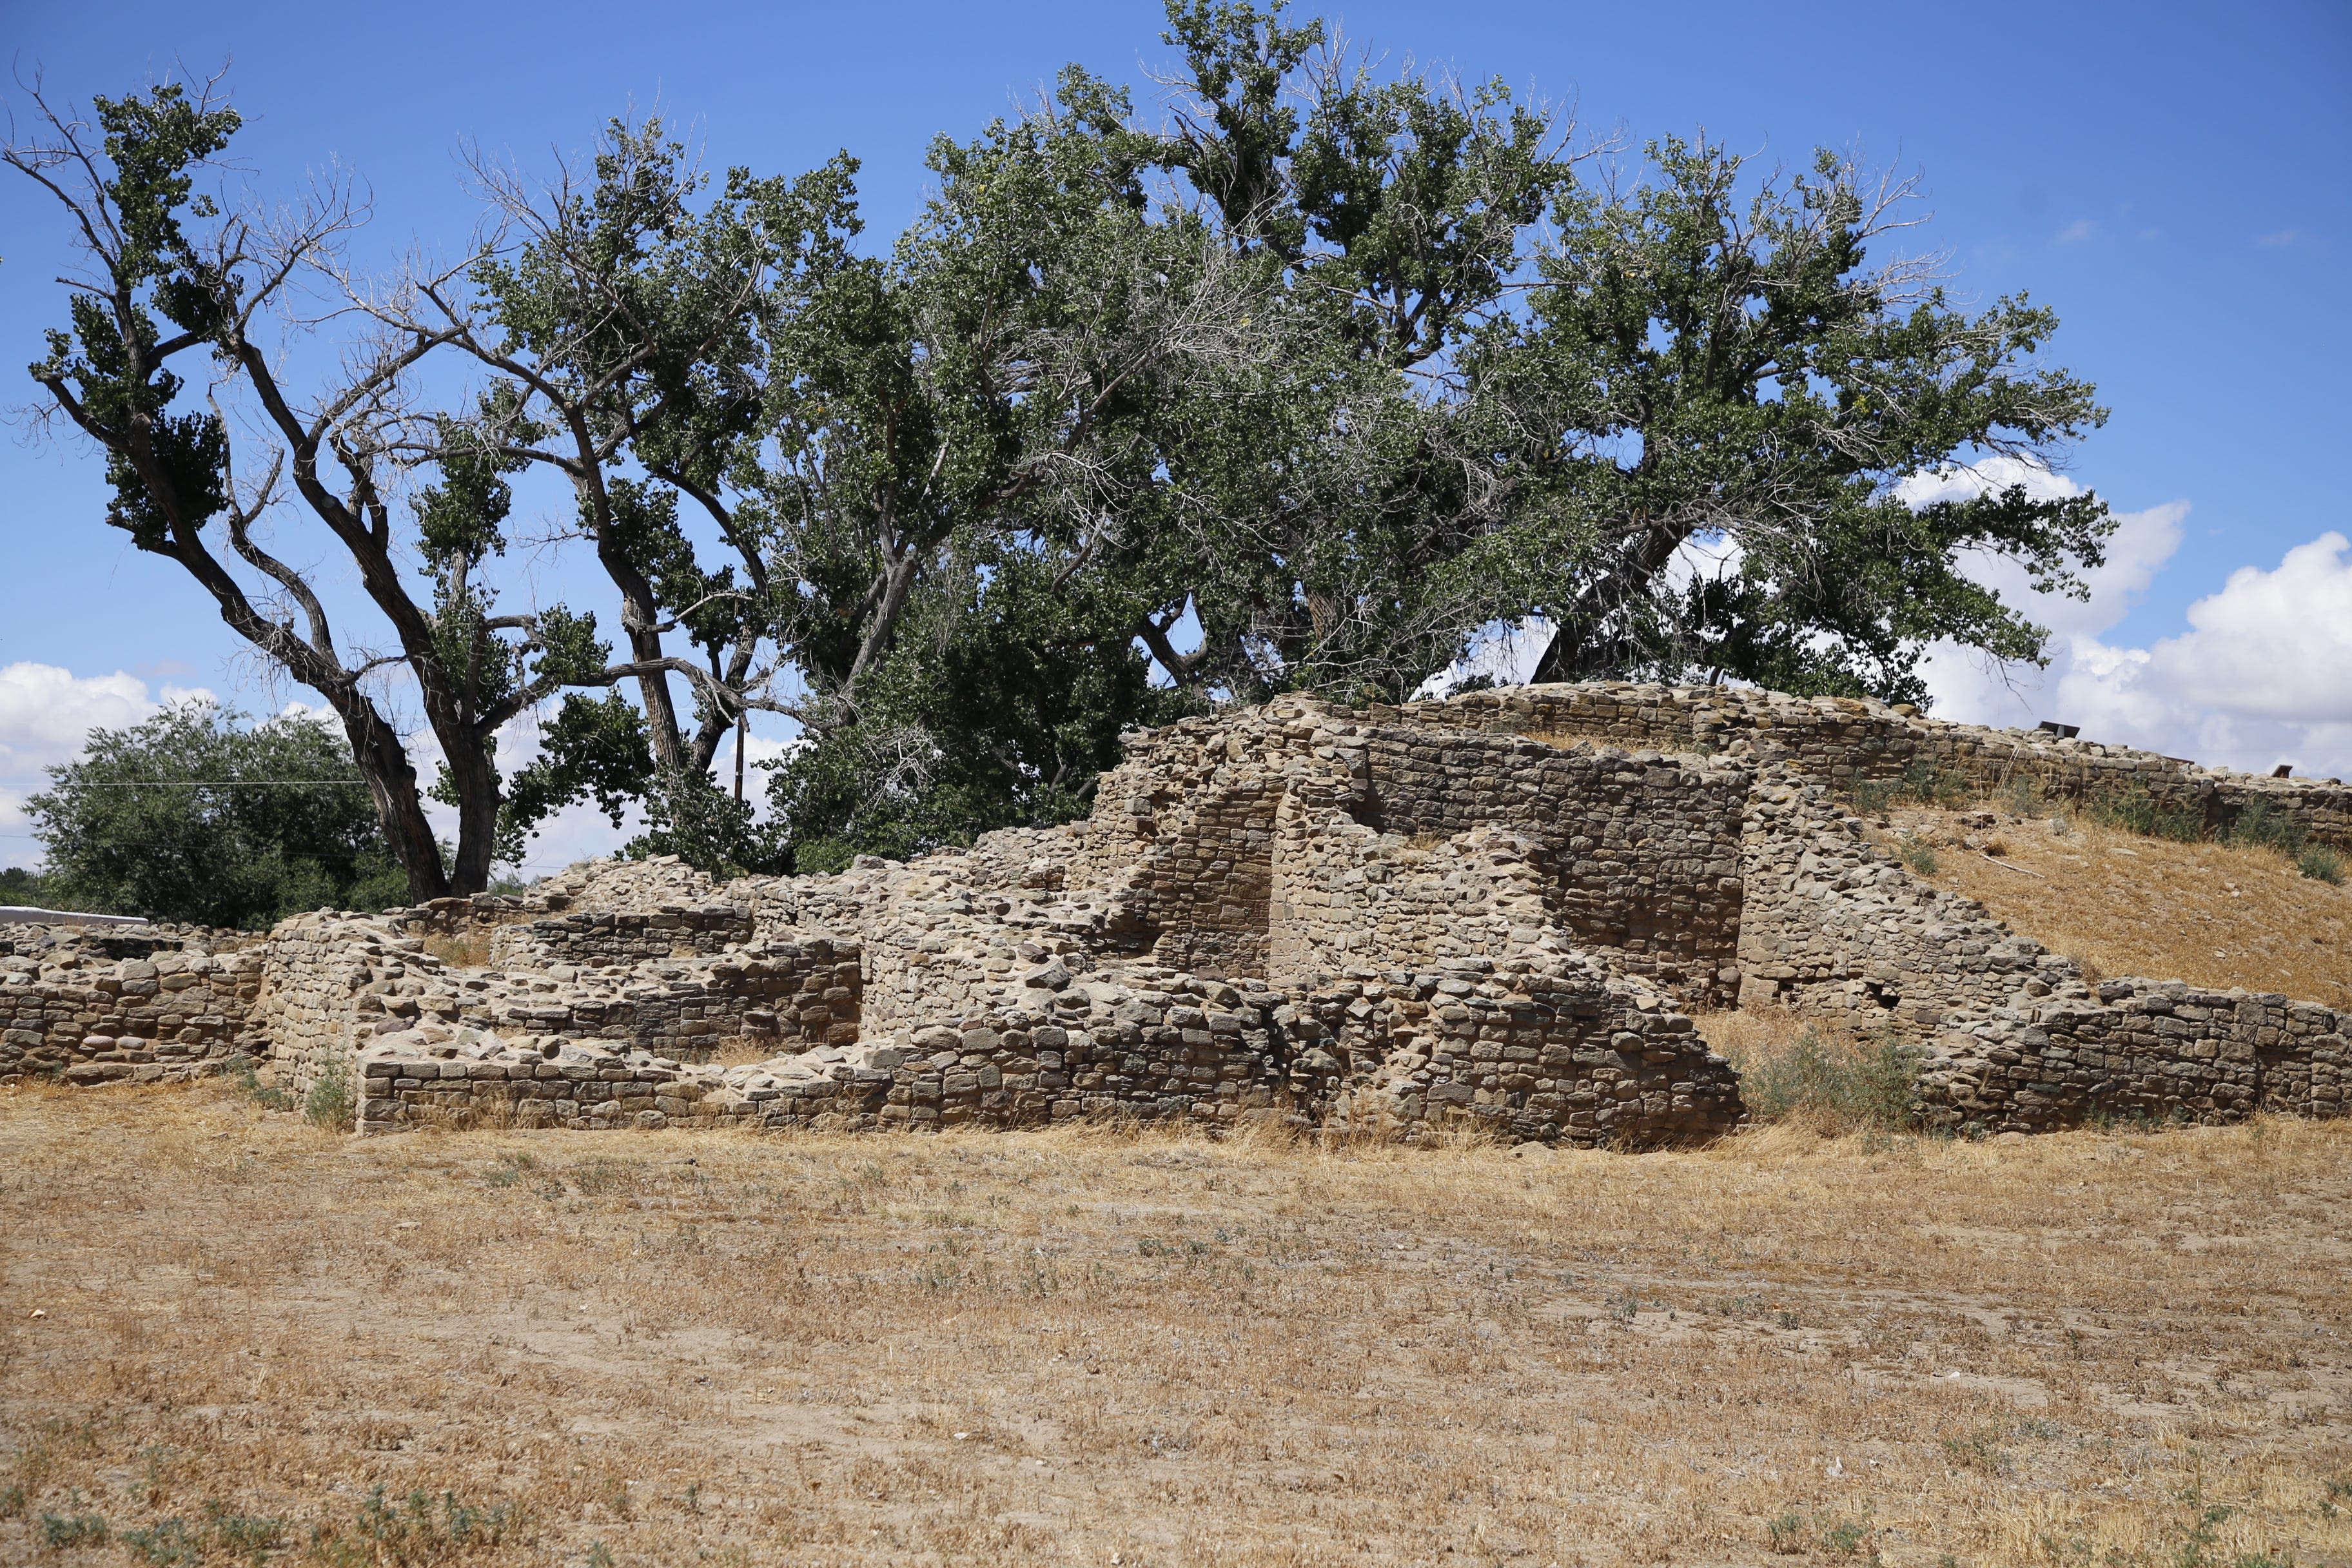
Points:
(1643, 849)
(2141, 1050)
(333, 982)
(1344, 895)
(93, 1008)
(1839, 739)
(1831, 925)
(1548, 1050)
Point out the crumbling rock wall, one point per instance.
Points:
(93, 1005)
(1486, 912)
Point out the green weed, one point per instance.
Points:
(330, 1104)
(62, 1530)
(2321, 864)
(244, 1073)
(419, 1533)
(1836, 1091)
(1917, 854)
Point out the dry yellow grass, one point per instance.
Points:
(1079, 1347)
(2212, 914)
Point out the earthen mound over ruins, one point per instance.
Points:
(1499, 910)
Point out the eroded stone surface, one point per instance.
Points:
(1494, 910)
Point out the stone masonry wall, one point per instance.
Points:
(2154, 1052)
(1482, 912)
(1831, 925)
(1838, 739)
(73, 1009)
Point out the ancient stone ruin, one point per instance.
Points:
(1498, 912)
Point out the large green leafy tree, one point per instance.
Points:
(1720, 397)
(194, 815)
(178, 282)
(1677, 427)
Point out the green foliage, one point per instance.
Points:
(2320, 863)
(1000, 709)
(1831, 1089)
(689, 815)
(2138, 811)
(244, 1073)
(192, 816)
(60, 1532)
(18, 886)
(167, 470)
(1917, 854)
(420, 1531)
(330, 1104)
(221, 1536)
(1726, 368)
(1929, 783)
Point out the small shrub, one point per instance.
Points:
(244, 1073)
(2258, 824)
(1917, 854)
(1979, 1453)
(2137, 811)
(1787, 1532)
(421, 1531)
(1834, 1090)
(2020, 796)
(2321, 864)
(1927, 783)
(62, 1530)
(12, 1502)
(1872, 797)
(1847, 1538)
(330, 1104)
(165, 1545)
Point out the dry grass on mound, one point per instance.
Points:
(1087, 1348)
(2212, 914)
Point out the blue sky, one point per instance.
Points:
(2171, 179)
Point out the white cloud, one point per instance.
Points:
(2262, 674)
(2075, 233)
(46, 716)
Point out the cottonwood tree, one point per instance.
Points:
(1678, 425)
(608, 318)
(1323, 508)
(1717, 396)
(194, 814)
(171, 280)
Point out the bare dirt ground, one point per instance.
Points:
(1081, 1347)
(2124, 903)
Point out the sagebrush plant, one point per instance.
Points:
(2321, 864)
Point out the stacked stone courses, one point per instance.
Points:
(91, 1006)
(1493, 912)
